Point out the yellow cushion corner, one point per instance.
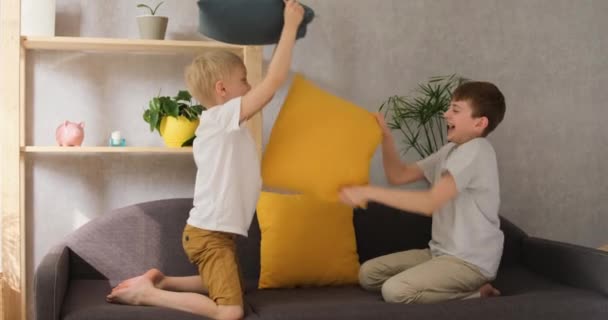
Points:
(319, 143)
(305, 242)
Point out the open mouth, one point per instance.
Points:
(449, 127)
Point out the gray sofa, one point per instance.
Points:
(539, 279)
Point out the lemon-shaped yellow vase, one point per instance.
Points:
(176, 131)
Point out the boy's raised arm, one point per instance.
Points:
(395, 171)
(278, 69)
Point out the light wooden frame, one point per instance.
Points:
(11, 165)
(13, 148)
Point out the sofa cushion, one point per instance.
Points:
(527, 296)
(514, 280)
(86, 300)
(512, 248)
(306, 242)
(330, 142)
(382, 230)
(248, 250)
(532, 297)
(569, 263)
(246, 22)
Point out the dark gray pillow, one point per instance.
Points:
(246, 22)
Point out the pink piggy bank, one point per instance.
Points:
(70, 134)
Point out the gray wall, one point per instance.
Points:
(548, 57)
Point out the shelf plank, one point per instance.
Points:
(87, 150)
(124, 45)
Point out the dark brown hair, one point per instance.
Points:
(486, 101)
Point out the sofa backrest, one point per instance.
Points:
(382, 230)
(128, 241)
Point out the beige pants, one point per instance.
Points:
(414, 276)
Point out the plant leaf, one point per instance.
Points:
(170, 107)
(141, 5)
(158, 5)
(183, 95)
(154, 121)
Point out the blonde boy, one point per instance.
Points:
(466, 244)
(227, 186)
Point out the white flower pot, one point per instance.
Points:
(152, 27)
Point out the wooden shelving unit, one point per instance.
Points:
(85, 150)
(124, 45)
(13, 148)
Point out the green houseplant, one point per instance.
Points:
(176, 118)
(150, 25)
(419, 118)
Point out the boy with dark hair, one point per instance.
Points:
(466, 244)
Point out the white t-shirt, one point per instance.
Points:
(468, 226)
(228, 180)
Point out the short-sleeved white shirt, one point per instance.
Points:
(468, 226)
(228, 180)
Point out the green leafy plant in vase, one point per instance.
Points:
(419, 118)
(175, 118)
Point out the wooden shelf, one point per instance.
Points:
(124, 45)
(14, 134)
(88, 150)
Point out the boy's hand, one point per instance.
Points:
(278, 68)
(355, 197)
(293, 14)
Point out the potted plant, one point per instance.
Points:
(175, 118)
(420, 118)
(150, 25)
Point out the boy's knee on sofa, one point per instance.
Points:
(395, 291)
(369, 276)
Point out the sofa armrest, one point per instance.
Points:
(51, 283)
(567, 263)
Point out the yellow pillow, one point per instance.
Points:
(306, 242)
(319, 143)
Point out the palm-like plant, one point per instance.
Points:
(420, 118)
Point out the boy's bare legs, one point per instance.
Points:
(142, 290)
(160, 281)
(183, 284)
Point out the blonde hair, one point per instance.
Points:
(208, 68)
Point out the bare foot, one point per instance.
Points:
(155, 275)
(487, 290)
(130, 290)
